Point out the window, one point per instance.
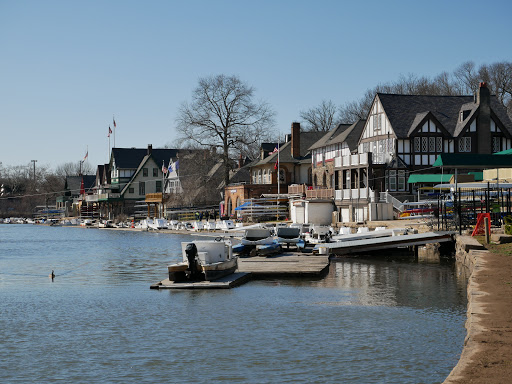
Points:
(155, 172)
(496, 144)
(131, 190)
(142, 188)
(392, 180)
(158, 187)
(431, 144)
(465, 144)
(439, 145)
(401, 180)
(145, 172)
(424, 144)
(417, 144)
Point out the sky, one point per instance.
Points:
(67, 68)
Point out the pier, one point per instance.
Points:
(376, 244)
(288, 264)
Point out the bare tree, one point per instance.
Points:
(321, 118)
(73, 169)
(467, 77)
(223, 114)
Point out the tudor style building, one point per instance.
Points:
(406, 133)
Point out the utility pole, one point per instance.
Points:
(34, 161)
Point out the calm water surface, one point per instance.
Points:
(98, 321)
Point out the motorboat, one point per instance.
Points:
(204, 260)
(257, 240)
(226, 225)
(318, 234)
(289, 235)
(106, 224)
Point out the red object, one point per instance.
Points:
(109, 131)
(114, 122)
(82, 189)
(480, 224)
(275, 165)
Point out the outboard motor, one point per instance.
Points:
(191, 252)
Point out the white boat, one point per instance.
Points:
(289, 235)
(86, 223)
(106, 224)
(210, 226)
(318, 234)
(257, 236)
(198, 226)
(226, 225)
(204, 260)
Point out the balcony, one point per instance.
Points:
(351, 194)
(297, 189)
(320, 193)
(107, 196)
(360, 159)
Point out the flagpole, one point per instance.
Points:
(114, 121)
(278, 179)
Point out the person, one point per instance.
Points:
(214, 215)
(201, 216)
(207, 214)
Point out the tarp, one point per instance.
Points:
(472, 160)
(247, 205)
(429, 178)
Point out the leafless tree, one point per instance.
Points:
(73, 169)
(321, 118)
(222, 114)
(467, 77)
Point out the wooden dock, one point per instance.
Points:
(226, 282)
(375, 244)
(284, 264)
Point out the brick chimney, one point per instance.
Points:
(150, 149)
(240, 161)
(483, 121)
(295, 139)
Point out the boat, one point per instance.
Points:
(204, 260)
(226, 225)
(106, 224)
(318, 234)
(257, 241)
(289, 235)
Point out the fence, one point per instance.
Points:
(459, 211)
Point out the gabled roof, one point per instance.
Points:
(285, 151)
(406, 111)
(330, 136)
(73, 183)
(130, 158)
(342, 133)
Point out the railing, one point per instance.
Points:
(91, 198)
(297, 189)
(106, 196)
(351, 160)
(397, 204)
(320, 193)
(348, 194)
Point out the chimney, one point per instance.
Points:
(240, 161)
(150, 149)
(483, 121)
(295, 139)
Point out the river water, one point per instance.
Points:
(367, 321)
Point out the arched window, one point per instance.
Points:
(282, 176)
(315, 180)
(254, 179)
(310, 176)
(229, 207)
(238, 202)
(324, 180)
(259, 176)
(264, 176)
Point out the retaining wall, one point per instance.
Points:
(470, 257)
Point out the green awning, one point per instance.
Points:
(505, 152)
(472, 160)
(429, 178)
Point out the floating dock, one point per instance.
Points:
(285, 264)
(375, 244)
(226, 282)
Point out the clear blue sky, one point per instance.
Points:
(66, 67)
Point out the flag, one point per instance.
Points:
(276, 164)
(86, 154)
(164, 169)
(109, 131)
(176, 164)
(114, 120)
(276, 149)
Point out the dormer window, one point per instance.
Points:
(464, 115)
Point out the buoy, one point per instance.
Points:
(52, 275)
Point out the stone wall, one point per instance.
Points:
(470, 256)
